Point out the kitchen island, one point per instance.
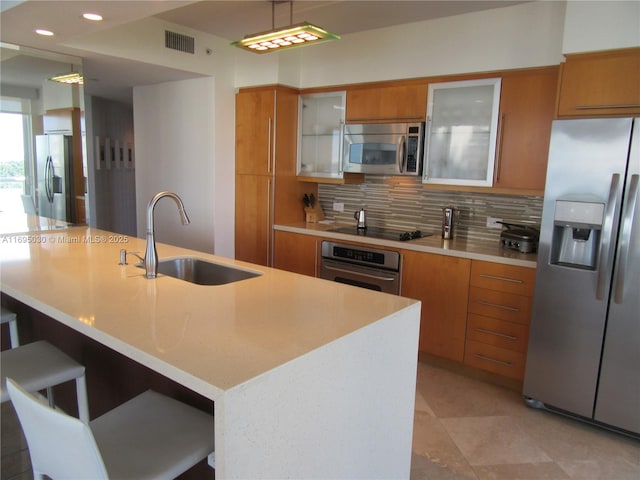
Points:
(308, 378)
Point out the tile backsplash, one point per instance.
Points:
(403, 203)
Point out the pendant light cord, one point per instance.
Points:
(273, 13)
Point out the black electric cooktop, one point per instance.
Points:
(382, 233)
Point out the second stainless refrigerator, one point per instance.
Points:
(54, 176)
(584, 343)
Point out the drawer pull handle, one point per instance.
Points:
(489, 359)
(504, 307)
(504, 279)
(489, 332)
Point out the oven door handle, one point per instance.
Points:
(352, 272)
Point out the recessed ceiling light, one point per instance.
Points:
(92, 16)
(46, 33)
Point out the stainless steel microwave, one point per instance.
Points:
(383, 148)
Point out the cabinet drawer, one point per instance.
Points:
(505, 278)
(491, 331)
(501, 305)
(494, 359)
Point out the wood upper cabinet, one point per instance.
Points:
(600, 84)
(527, 104)
(255, 126)
(441, 283)
(297, 253)
(387, 103)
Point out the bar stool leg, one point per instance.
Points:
(83, 401)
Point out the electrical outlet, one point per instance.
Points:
(338, 207)
(492, 222)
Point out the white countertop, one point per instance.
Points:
(11, 222)
(208, 338)
(479, 250)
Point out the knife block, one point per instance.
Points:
(314, 214)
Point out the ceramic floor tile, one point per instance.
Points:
(567, 440)
(453, 395)
(493, 441)
(422, 468)
(432, 442)
(597, 469)
(526, 471)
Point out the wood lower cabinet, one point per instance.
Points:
(499, 312)
(253, 218)
(600, 84)
(297, 253)
(441, 283)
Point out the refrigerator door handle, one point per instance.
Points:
(47, 179)
(607, 230)
(625, 237)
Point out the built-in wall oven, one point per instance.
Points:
(366, 267)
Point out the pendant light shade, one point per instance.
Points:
(283, 38)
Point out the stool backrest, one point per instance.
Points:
(60, 446)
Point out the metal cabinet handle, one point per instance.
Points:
(504, 279)
(499, 146)
(501, 335)
(602, 107)
(351, 272)
(489, 359)
(269, 128)
(496, 305)
(607, 229)
(625, 238)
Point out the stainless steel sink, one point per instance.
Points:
(203, 272)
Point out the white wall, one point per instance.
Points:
(526, 35)
(601, 25)
(175, 150)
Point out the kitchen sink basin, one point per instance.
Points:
(202, 272)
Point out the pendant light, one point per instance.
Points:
(284, 38)
(71, 78)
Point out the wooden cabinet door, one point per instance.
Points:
(296, 253)
(391, 103)
(600, 84)
(441, 283)
(255, 127)
(527, 104)
(253, 218)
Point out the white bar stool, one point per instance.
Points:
(39, 366)
(150, 436)
(12, 319)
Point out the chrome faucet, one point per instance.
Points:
(151, 255)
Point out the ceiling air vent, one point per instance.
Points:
(177, 41)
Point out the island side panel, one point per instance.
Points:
(344, 410)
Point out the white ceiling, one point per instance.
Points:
(226, 19)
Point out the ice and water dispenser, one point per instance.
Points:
(576, 233)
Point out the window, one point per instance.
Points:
(15, 155)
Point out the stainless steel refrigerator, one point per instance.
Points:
(54, 177)
(584, 343)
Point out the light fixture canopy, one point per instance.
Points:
(73, 78)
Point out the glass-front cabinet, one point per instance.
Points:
(320, 123)
(462, 126)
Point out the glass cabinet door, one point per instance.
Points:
(462, 124)
(320, 122)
